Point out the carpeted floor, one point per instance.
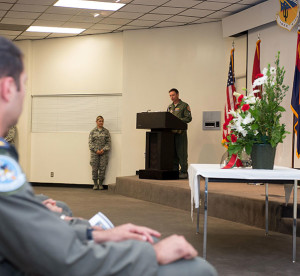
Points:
(233, 248)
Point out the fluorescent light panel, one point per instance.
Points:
(41, 29)
(93, 5)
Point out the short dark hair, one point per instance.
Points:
(174, 90)
(99, 117)
(11, 62)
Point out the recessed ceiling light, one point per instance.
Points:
(93, 5)
(41, 29)
(95, 14)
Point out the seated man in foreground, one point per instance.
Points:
(34, 241)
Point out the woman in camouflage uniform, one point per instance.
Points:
(99, 144)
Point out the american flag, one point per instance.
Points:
(230, 99)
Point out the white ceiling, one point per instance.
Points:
(17, 15)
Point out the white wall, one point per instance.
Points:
(81, 65)
(142, 65)
(192, 59)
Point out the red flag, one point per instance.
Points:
(256, 68)
(230, 99)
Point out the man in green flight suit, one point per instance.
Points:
(182, 111)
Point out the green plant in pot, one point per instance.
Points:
(255, 124)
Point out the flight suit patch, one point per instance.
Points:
(11, 175)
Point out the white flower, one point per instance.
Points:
(233, 113)
(251, 99)
(236, 94)
(260, 81)
(273, 70)
(265, 70)
(241, 130)
(248, 119)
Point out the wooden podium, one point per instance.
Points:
(159, 144)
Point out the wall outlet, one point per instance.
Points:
(51, 174)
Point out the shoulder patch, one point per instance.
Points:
(11, 175)
(188, 108)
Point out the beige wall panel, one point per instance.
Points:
(80, 65)
(191, 59)
(68, 156)
(23, 141)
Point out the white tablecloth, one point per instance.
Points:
(214, 171)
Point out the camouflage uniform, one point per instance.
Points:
(183, 112)
(10, 137)
(99, 139)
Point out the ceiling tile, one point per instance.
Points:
(142, 23)
(126, 15)
(77, 25)
(40, 2)
(94, 32)
(137, 8)
(136, 14)
(8, 1)
(16, 21)
(85, 19)
(123, 28)
(235, 8)
(182, 19)
(105, 27)
(196, 12)
(152, 16)
(226, 1)
(48, 23)
(53, 16)
(29, 8)
(7, 32)
(106, 13)
(59, 35)
(10, 37)
(28, 38)
(251, 2)
(151, 2)
(215, 6)
(5, 6)
(25, 15)
(116, 21)
(168, 10)
(169, 24)
(182, 4)
(61, 10)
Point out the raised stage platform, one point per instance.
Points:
(238, 202)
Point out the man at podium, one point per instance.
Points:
(182, 111)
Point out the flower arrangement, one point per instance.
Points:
(257, 120)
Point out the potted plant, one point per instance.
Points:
(255, 124)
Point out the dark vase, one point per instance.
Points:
(263, 156)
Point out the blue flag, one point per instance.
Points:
(295, 104)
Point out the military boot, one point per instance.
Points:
(96, 186)
(100, 186)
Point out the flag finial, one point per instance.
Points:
(232, 43)
(258, 36)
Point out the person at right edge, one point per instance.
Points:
(182, 111)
